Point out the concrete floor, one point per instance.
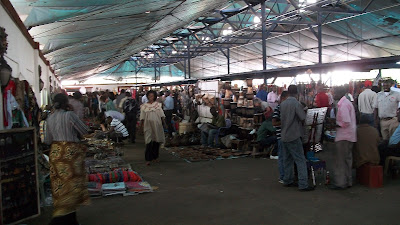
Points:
(239, 191)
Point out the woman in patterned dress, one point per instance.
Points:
(67, 173)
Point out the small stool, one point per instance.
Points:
(370, 175)
(389, 162)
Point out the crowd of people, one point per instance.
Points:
(366, 125)
(367, 131)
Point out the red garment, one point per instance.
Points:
(322, 100)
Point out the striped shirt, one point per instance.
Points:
(277, 116)
(64, 126)
(119, 127)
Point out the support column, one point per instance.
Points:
(155, 67)
(188, 50)
(319, 39)
(228, 56)
(264, 35)
(184, 68)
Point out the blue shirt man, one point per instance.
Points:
(262, 94)
(395, 138)
(169, 103)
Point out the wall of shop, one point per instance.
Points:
(23, 55)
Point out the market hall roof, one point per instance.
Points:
(83, 38)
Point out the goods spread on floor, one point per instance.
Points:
(108, 173)
(197, 154)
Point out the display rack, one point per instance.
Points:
(19, 186)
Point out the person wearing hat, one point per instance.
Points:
(366, 103)
(77, 104)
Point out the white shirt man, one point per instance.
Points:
(119, 127)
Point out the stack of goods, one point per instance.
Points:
(94, 189)
(113, 188)
(196, 153)
(101, 149)
(138, 187)
(115, 176)
(183, 140)
(109, 164)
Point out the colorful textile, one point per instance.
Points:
(68, 177)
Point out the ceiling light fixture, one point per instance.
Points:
(256, 19)
(398, 62)
(147, 12)
(174, 52)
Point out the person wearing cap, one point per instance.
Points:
(366, 102)
(386, 104)
(77, 104)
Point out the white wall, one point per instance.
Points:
(23, 58)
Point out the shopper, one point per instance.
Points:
(120, 97)
(366, 147)
(109, 104)
(272, 98)
(116, 129)
(115, 115)
(346, 136)
(67, 172)
(131, 108)
(77, 105)
(208, 135)
(321, 99)
(144, 99)
(168, 111)
(391, 147)
(262, 93)
(266, 134)
(366, 102)
(387, 103)
(95, 104)
(152, 120)
(276, 121)
(292, 117)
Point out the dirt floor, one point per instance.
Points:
(234, 191)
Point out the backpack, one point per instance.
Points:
(130, 106)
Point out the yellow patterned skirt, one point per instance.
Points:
(68, 177)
